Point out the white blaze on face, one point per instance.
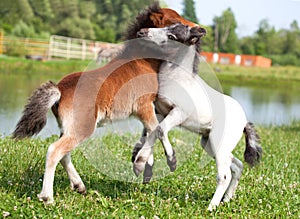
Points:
(158, 35)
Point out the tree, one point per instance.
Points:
(292, 40)
(247, 45)
(267, 40)
(225, 38)
(76, 27)
(189, 11)
(42, 9)
(25, 10)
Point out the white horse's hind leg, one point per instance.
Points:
(223, 179)
(236, 168)
(76, 182)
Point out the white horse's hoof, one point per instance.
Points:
(226, 198)
(139, 166)
(46, 199)
(211, 207)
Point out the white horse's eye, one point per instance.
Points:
(172, 37)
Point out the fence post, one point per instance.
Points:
(68, 48)
(83, 50)
(1, 42)
(50, 47)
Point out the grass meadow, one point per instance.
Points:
(270, 190)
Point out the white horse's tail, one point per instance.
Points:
(34, 116)
(253, 150)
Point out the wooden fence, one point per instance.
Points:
(73, 48)
(30, 46)
(60, 47)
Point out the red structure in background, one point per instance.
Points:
(233, 59)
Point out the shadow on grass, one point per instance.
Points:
(21, 175)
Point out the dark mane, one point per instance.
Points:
(197, 57)
(142, 21)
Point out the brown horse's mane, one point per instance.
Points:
(142, 21)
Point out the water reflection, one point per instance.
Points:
(263, 105)
(268, 106)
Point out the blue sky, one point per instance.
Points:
(248, 13)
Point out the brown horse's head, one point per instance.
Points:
(167, 17)
(153, 17)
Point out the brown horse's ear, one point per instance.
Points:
(157, 19)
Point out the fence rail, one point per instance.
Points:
(73, 48)
(60, 47)
(30, 46)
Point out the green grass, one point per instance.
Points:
(270, 190)
(15, 66)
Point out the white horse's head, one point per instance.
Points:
(176, 32)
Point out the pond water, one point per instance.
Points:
(264, 105)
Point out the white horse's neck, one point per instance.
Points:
(184, 59)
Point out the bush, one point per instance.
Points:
(284, 60)
(23, 30)
(15, 48)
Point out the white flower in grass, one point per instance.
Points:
(5, 214)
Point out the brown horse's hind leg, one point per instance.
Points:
(56, 152)
(76, 182)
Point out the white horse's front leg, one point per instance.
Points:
(173, 119)
(223, 179)
(144, 154)
(138, 146)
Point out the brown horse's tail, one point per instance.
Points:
(253, 150)
(34, 116)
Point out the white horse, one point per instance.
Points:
(184, 99)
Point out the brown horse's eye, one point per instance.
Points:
(172, 37)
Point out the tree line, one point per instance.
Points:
(106, 20)
(103, 20)
(282, 46)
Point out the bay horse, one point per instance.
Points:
(82, 100)
(185, 100)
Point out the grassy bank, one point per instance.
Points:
(273, 76)
(239, 74)
(270, 190)
(16, 66)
